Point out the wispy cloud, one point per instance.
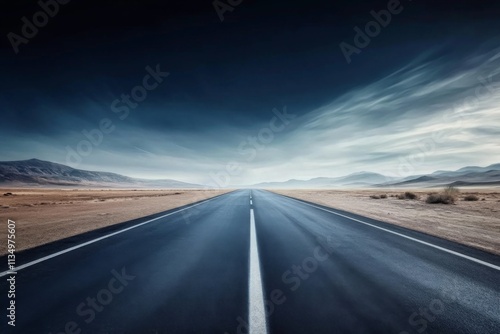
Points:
(450, 106)
(434, 113)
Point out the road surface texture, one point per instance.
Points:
(252, 261)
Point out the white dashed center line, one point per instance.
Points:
(257, 313)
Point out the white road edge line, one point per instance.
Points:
(45, 258)
(256, 309)
(407, 237)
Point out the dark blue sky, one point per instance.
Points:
(225, 79)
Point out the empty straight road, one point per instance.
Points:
(254, 261)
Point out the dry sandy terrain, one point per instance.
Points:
(476, 224)
(45, 215)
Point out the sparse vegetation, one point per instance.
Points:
(408, 195)
(452, 191)
(471, 198)
(8, 194)
(439, 199)
(378, 196)
(448, 196)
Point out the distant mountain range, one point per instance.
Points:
(36, 172)
(467, 176)
(356, 180)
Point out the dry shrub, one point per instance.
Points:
(471, 198)
(408, 195)
(375, 196)
(383, 196)
(451, 191)
(448, 196)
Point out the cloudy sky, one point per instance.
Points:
(266, 94)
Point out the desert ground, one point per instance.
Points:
(473, 223)
(45, 215)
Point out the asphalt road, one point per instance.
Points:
(259, 262)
